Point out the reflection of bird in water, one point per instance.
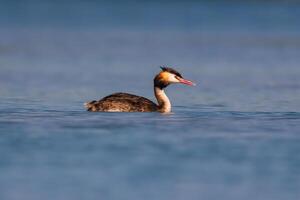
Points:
(124, 102)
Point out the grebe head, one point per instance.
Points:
(168, 76)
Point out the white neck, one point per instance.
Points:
(162, 99)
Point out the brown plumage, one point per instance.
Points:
(124, 102)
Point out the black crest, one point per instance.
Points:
(170, 70)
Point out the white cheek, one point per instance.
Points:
(172, 79)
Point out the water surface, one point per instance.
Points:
(233, 136)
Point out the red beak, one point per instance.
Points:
(186, 82)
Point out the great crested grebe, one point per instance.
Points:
(124, 102)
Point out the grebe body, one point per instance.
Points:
(124, 102)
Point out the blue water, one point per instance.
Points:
(233, 136)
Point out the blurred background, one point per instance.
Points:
(233, 136)
(236, 51)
